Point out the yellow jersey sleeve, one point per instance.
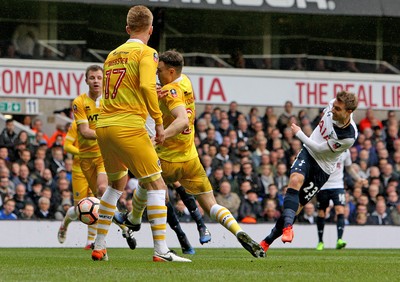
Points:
(179, 148)
(79, 109)
(71, 146)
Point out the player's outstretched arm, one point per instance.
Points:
(350, 170)
(180, 123)
(315, 147)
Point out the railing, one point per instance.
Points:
(291, 62)
(75, 50)
(62, 120)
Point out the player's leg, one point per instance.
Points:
(108, 198)
(190, 203)
(306, 179)
(62, 231)
(196, 182)
(173, 222)
(276, 232)
(80, 190)
(139, 203)
(89, 170)
(322, 204)
(298, 172)
(291, 206)
(223, 216)
(157, 216)
(117, 175)
(339, 201)
(108, 203)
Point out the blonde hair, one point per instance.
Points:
(139, 18)
(349, 99)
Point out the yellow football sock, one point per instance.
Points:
(224, 217)
(139, 202)
(157, 215)
(92, 232)
(107, 208)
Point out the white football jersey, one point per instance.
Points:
(336, 179)
(150, 126)
(339, 140)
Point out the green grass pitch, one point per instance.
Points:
(208, 265)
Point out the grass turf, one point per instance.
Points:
(208, 265)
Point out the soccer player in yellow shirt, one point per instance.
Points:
(129, 96)
(178, 154)
(86, 108)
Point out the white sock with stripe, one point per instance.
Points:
(139, 202)
(107, 208)
(157, 215)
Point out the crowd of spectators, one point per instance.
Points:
(299, 62)
(247, 157)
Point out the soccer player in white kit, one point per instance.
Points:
(335, 133)
(333, 190)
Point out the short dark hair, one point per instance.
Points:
(92, 68)
(349, 99)
(172, 58)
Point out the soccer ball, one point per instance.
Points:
(88, 210)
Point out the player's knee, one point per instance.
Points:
(296, 180)
(206, 203)
(339, 209)
(154, 182)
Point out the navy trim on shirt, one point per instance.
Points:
(347, 132)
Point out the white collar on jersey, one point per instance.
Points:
(98, 101)
(135, 40)
(178, 79)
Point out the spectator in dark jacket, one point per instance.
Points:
(8, 137)
(380, 216)
(250, 210)
(43, 210)
(248, 174)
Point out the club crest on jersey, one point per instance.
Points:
(336, 146)
(173, 93)
(155, 57)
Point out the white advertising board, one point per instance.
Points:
(65, 80)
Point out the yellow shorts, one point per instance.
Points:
(91, 167)
(80, 186)
(190, 174)
(126, 148)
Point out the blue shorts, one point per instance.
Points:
(314, 176)
(336, 195)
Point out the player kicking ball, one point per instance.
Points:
(335, 133)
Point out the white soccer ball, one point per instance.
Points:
(88, 210)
